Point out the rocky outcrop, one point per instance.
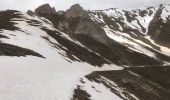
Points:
(145, 83)
(75, 21)
(78, 24)
(93, 36)
(57, 18)
(46, 8)
(81, 24)
(90, 29)
(31, 13)
(159, 28)
(76, 11)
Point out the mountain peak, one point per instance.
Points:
(76, 6)
(76, 11)
(45, 8)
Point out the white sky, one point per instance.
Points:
(24, 5)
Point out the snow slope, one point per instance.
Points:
(60, 71)
(32, 78)
(116, 22)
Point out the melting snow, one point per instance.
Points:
(98, 91)
(33, 78)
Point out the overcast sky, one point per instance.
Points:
(24, 5)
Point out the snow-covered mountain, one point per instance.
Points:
(110, 54)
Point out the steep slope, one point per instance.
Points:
(82, 55)
(126, 43)
(55, 73)
(127, 28)
(130, 28)
(146, 83)
(159, 26)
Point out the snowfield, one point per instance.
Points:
(34, 78)
(55, 76)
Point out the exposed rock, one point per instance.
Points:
(74, 51)
(159, 29)
(46, 8)
(57, 18)
(12, 50)
(6, 19)
(77, 23)
(74, 21)
(31, 13)
(145, 83)
(76, 11)
(61, 12)
(87, 27)
(80, 23)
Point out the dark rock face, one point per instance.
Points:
(6, 19)
(74, 21)
(80, 94)
(134, 14)
(76, 11)
(77, 23)
(90, 29)
(46, 8)
(31, 13)
(73, 50)
(57, 18)
(80, 23)
(159, 29)
(11, 50)
(147, 83)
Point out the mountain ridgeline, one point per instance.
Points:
(78, 54)
(91, 28)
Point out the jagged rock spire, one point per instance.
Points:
(76, 11)
(46, 8)
(31, 13)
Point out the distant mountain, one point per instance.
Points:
(110, 54)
